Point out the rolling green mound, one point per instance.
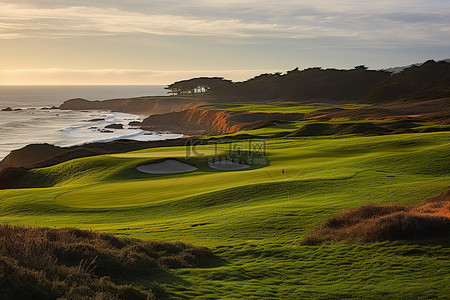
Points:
(253, 218)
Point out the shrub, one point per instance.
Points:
(69, 263)
(371, 223)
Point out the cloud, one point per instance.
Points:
(83, 20)
(368, 23)
(210, 34)
(57, 76)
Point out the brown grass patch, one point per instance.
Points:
(372, 223)
(68, 263)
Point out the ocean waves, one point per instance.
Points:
(68, 128)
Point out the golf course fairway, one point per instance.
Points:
(252, 219)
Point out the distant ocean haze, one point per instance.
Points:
(32, 124)
(34, 96)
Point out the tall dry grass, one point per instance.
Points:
(69, 263)
(371, 223)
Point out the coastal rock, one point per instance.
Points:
(7, 109)
(96, 120)
(114, 126)
(135, 123)
(137, 106)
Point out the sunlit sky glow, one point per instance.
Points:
(158, 42)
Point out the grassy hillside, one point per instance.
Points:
(69, 263)
(252, 219)
(266, 108)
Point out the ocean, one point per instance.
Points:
(32, 122)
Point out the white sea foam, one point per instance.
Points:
(68, 128)
(63, 127)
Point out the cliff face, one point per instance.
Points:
(213, 122)
(138, 106)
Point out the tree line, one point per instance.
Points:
(429, 80)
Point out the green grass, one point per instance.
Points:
(266, 108)
(280, 107)
(253, 218)
(277, 129)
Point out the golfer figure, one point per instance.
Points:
(284, 174)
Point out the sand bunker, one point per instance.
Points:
(169, 166)
(227, 165)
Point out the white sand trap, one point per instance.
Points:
(227, 165)
(169, 166)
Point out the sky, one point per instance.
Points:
(49, 42)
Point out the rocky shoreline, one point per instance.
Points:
(186, 116)
(178, 114)
(142, 106)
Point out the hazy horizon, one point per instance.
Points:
(81, 42)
